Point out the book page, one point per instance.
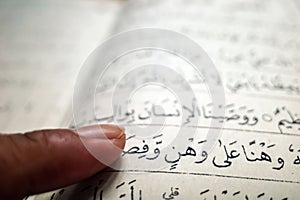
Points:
(254, 147)
(42, 46)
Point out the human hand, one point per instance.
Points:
(45, 160)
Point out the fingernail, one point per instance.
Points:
(107, 146)
(105, 131)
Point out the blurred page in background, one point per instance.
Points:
(42, 46)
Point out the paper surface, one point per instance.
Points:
(42, 46)
(255, 46)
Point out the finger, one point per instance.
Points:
(44, 160)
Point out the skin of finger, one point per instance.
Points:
(44, 160)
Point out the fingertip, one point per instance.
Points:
(50, 159)
(120, 141)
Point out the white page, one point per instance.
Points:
(42, 46)
(255, 46)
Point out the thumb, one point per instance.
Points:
(44, 160)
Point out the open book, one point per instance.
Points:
(255, 48)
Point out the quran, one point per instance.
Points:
(177, 147)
